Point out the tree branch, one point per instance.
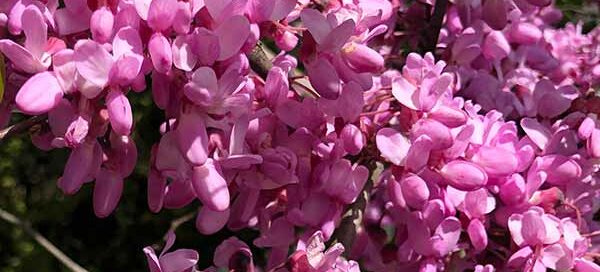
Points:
(10, 218)
(180, 220)
(21, 127)
(431, 35)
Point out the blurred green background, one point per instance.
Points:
(28, 190)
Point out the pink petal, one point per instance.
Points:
(161, 14)
(533, 229)
(415, 191)
(126, 69)
(438, 133)
(418, 154)
(316, 23)
(35, 29)
(69, 21)
(405, 93)
(464, 175)
(429, 95)
(560, 169)
(513, 191)
(261, 10)
(124, 153)
(142, 7)
(93, 62)
(61, 116)
(538, 133)
(477, 234)
(152, 259)
(14, 16)
(168, 156)
(179, 194)
(519, 258)
(83, 162)
(282, 8)
(593, 143)
(101, 25)
(353, 139)
(202, 87)
(279, 233)
(39, 94)
(222, 10)
(107, 192)
(183, 18)
(127, 41)
(338, 37)
(160, 53)
(192, 138)
(205, 44)
(495, 46)
(228, 249)
(210, 186)
(476, 203)
(449, 116)
(556, 257)
(232, 36)
(525, 33)
(496, 161)
(21, 58)
(179, 260)
(64, 69)
(324, 78)
(393, 145)
(362, 58)
(157, 188)
(495, 13)
(119, 112)
(183, 57)
(209, 221)
(583, 265)
(586, 128)
(446, 236)
(351, 101)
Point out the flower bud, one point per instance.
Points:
(495, 46)
(210, 186)
(107, 192)
(362, 58)
(160, 53)
(209, 221)
(101, 25)
(495, 13)
(39, 94)
(525, 33)
(464, 175)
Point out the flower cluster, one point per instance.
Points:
(485, 160)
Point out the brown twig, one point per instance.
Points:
(430, 36)
(64, 259)
(21, 126)
(180, 220)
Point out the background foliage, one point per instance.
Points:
(28, 189)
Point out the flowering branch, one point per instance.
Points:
(259, 61)
(52, 249)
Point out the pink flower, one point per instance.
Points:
(181, 260)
